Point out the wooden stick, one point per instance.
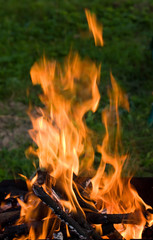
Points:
(73, 225)
(111, 232)
(8, 218)
(79, 226)
(12, 231)
(128, 218)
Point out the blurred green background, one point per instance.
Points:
(30, 29)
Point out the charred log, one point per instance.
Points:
(73, 225)
(8, 218)
(84, 232)
(12, 231)
(15, 187)
(129, 218)
(111, 232)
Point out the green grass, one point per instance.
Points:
(14, 162)
(30, 29)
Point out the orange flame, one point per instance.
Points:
(95, 28)
(8, 196)
(60, 131)
(116, 195)
(64, 143)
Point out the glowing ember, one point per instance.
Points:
(65, 149)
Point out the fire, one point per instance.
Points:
(95, 27)
(65, 147)
(60, 131)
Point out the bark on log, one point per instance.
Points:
(73, 225)
(83, 233)
(111, 232)
(8, 218)
(128, 218)
(12, 231)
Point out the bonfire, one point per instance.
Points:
(67, 198)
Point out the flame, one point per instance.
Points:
(64, 144)
(95, 27)
(8, 196)
(117, 195)
(60, 131)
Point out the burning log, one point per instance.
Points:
(84, 204)
(128, 218)
(111, 232)
(94, 218)
(8, 218)
(64, 140)
(44, 177)
(15, 187)
(72, 224)
(12, 231)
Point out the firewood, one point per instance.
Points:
(84, 204)
(128, 218)
(79, 217)
(44, 177)
(12, 231)
(72, 224)
(80, 226)
(23, 229)
(111, 232)
(9, 208)
(8, 218)
(15, 187)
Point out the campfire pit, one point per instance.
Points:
(82, 228)
(67, 198)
